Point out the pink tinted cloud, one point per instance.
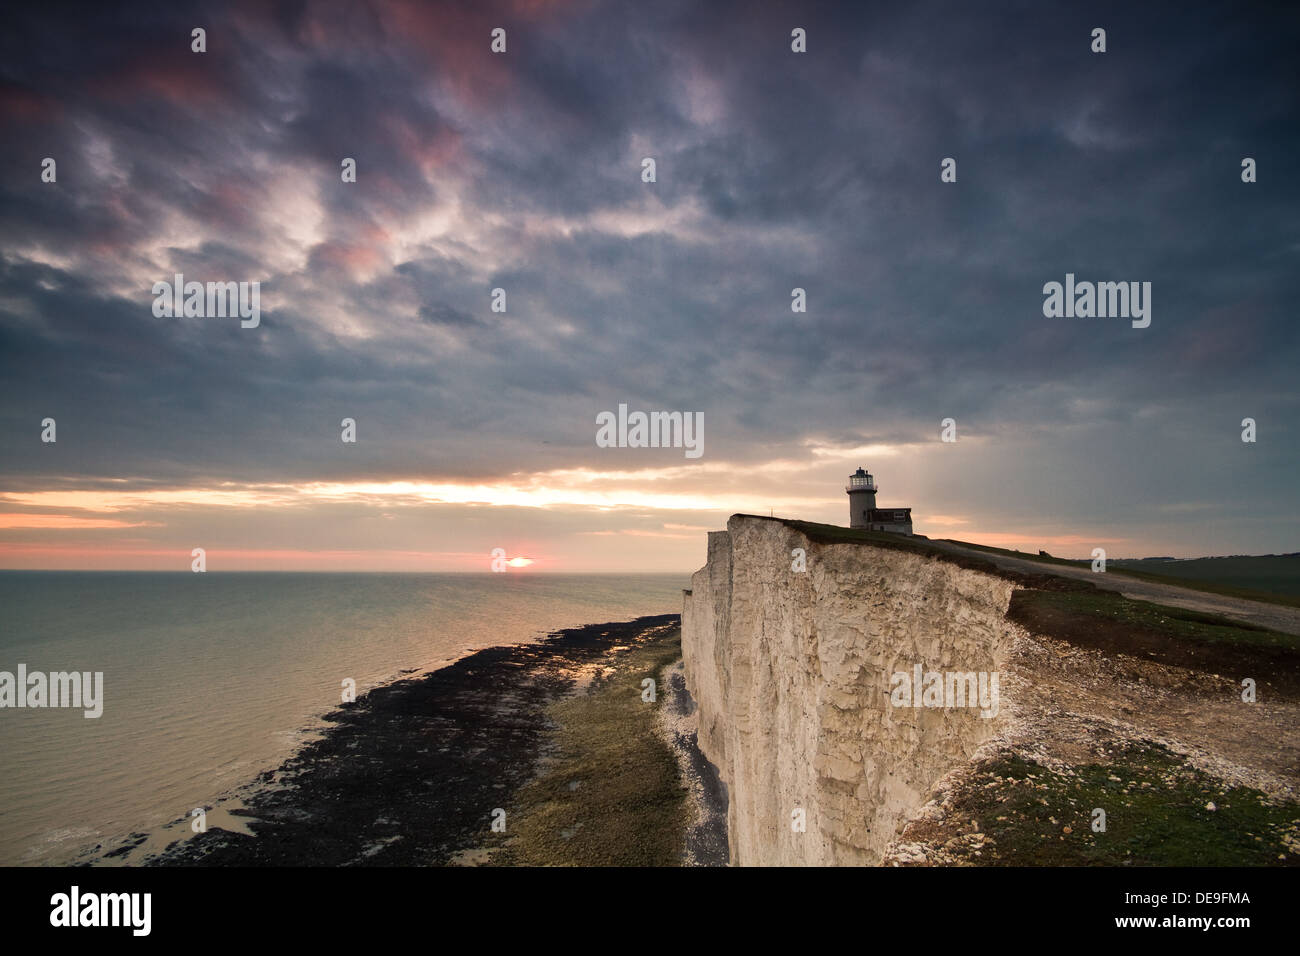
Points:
(18, 104)
(178, 76)
(358, 259)
(229, 203)
(456, 38)
(425, 146)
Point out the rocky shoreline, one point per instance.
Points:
(411, 773)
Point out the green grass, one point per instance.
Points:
(1108, 607)
(1190, 574)
(1274, 573)
(834, 534)
(1267, 571)
(612, 795)
(1156, 815)
(1023, 555)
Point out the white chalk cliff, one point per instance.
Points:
(791, 671)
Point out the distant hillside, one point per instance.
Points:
(1273, 578)
(1274, 573)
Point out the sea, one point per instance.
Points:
(210, 679)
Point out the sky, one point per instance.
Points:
(524, 171)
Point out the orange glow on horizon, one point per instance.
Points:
(66, 521)
(72, 557)
(568, 487)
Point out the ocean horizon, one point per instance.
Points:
(212, 679)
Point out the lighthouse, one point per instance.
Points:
(863, 512)
(862, 498)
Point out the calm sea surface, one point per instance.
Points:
(209, 679)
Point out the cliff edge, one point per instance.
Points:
(867, 699)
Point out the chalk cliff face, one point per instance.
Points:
(792, 673)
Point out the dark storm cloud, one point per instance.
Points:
(774, 171)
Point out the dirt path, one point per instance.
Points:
(1275, 616)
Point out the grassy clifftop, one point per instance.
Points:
(1270, 578)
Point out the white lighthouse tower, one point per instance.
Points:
(863, 512)
(862, 499)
